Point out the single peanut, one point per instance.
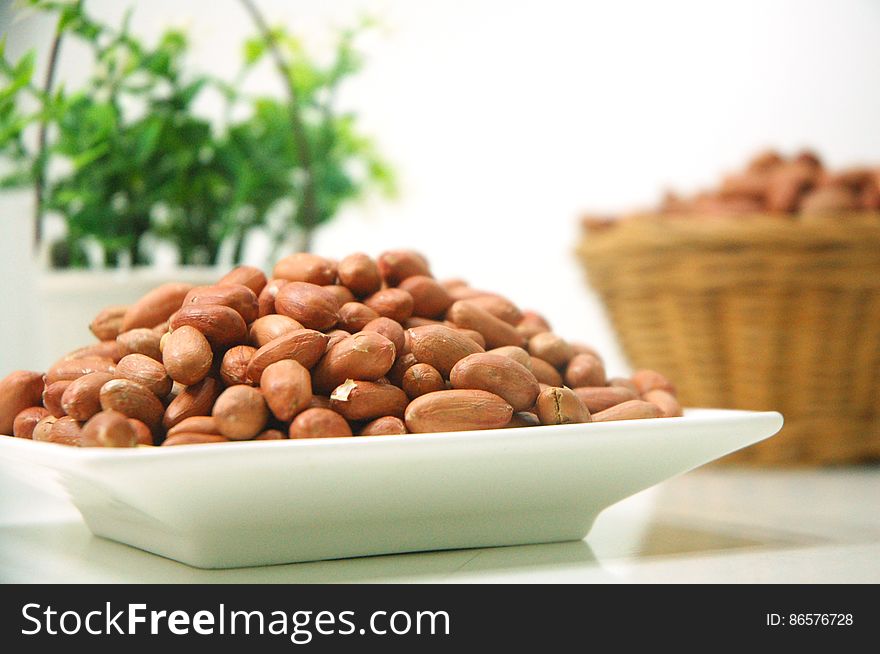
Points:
(599, 398)
(107, 325)
(140, 341)
(145, 371)
(551, 348)
(108, 429)
(392, 303)
(457, 410)
(234, 367)
(319, 423)
(81, 399)
(631, 410)
(384, 426)
(499, 375)
(366, 356)
(440, 346)
(267, 328)
(584, 370)
(240, 412)
(420, 379)
(26, 420)
(306, 346)
(187, 355)
(363, 400)
(287, 387)
(305, 267)
(310, 305)
(665, 401)
(560, 406)
(18, 391)
(360, 274)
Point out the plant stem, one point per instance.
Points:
(308, 208)
(42, 135)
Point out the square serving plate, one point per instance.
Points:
(258, 503)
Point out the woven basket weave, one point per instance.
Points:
(755, 313)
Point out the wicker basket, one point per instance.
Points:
(755, 313)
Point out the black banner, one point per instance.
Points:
(434, 617)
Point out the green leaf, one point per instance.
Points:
(254, 49)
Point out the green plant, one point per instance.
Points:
(141, 165)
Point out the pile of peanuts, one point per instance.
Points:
(799, 187)
(322, 349)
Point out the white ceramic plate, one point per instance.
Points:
(257, 503)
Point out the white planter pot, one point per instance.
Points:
(67, 301)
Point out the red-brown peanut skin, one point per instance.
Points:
(18, 391)
(390, 329)
(319, 423)
(310, 305)
(185, 438)
(195, 400)
(187, 355)
(139, 341)
(440, 346)
(421, 379)
(64, 431)
(142, 433)
(392, 303)
(306, 346)
(221, 325)
(70, 369)
(240, 412)
(518, 354)
(52, 397)
(81, 399)
(234, 296)
(145, 371)
(132, 399)
(103, 350)
(108, 323)
(496, 332)
(630, 410)
(560, 406)
(253, 278)
(305, 267)
(156, 306)
(108, 429)
(584, 370)
(341, 293)
(264, 329)
(497, 374)
(553, 349)
(599, 398)
(26, 420)
(500, 307)
(384, 426)
(665, 401)
(287, 387)
(397, 265)
(360, 400)
(365, 356)
(545, 373)
(360, 274)
(195, 425)
(266, 299)
(234, 367)
(354, 316)
(430, 299)
(457, 410)
(648, 380)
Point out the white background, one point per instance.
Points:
(506, 120)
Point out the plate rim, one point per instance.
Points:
(693, 417)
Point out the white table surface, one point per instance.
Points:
(715, 525)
